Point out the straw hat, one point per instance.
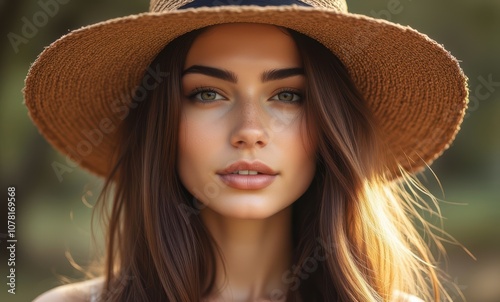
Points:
(79, 89)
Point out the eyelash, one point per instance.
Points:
(290, 90)
(198, 90)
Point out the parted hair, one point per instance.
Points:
(354, 237)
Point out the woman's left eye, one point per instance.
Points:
(287, 97)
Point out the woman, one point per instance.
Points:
(253, 153)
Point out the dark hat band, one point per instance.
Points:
(214, 3)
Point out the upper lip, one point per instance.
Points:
(252, 166)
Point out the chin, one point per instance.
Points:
(250, 208)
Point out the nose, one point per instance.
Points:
(249, 130)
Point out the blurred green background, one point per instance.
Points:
(53, 217)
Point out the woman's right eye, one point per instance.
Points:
(206, 95)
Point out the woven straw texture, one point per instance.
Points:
(78, 89)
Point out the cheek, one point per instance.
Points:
(194, 147)
(299, 153)
(189, 151)
(303, 146)
(308, 132)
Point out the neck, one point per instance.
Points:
(256, 253)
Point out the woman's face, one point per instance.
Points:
(243, 86)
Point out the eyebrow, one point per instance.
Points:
(226, 75)
(222, 74)
(278, 74)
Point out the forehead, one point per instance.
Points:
(244, 41)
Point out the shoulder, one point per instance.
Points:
(404, 297)
(74, 292)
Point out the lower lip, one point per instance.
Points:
(247, 182)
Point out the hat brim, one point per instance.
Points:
(77, 88)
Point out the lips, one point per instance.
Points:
(264, 178)
(260, 167)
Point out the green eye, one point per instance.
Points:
(208, 95)
(205, 95)
(287, 97)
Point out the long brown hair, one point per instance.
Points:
(353, 235)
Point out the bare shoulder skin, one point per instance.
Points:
(81, 291)
(74, 292)
(403, 297)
